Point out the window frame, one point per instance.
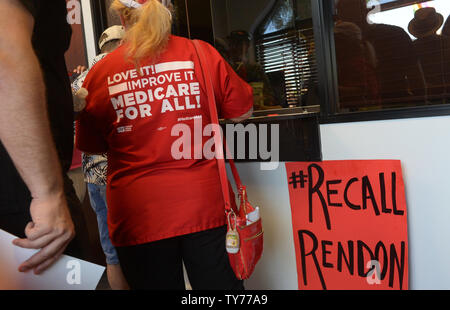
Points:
(99, 18)
(323, 25)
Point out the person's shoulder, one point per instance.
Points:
(210, 51)
(433, 39)
(178, 39)
(387, 32)
(181, 44)
(385, 28)
(95, 75)
(104, 63)
(189, 46)
(206, 45)
(187, 43)
(116, 57)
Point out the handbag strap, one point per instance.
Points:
(218, 140)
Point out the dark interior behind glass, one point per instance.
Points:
(270, 44)
(381, 65)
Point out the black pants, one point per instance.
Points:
(158, 265)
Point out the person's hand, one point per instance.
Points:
(80, 69)
(51, 230)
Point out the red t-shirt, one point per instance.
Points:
(130, 115)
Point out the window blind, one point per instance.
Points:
(291, 52)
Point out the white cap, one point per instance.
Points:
(112, 33)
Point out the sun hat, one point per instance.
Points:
(426, 21)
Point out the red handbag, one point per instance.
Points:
(244, 240)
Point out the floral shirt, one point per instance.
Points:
(94, 166)
(76, 85)
(95, 169)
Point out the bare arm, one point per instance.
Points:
(25, 133)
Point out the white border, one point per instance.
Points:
(88, 30)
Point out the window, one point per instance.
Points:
(285, 49)
(270, 44)
(357, 59)
(389, 56)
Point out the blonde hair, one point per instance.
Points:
(147, 29)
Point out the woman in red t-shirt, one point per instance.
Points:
(147, 108)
